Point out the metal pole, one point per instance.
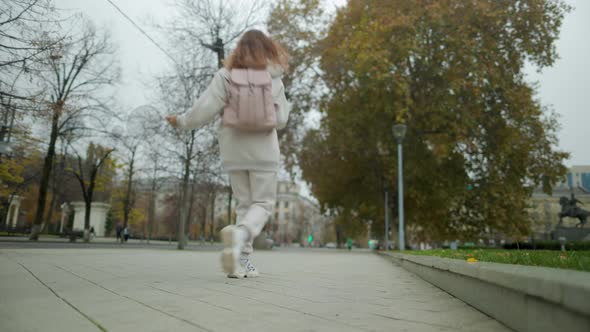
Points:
(386, 220)
(400, 181)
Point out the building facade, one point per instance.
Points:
(576, 177)
(296, 219)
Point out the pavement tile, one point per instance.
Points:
(165, 290)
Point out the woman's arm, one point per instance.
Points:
(283, 106)
(207, 106)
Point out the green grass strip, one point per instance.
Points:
(573, 260)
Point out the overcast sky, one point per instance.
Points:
(565, 86)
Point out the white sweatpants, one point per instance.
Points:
(255, 192)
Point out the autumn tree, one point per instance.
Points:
(478, 139)
(133, 215)
(20, 169)
(72, 79)
(299, 26)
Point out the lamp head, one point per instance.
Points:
(399, 131)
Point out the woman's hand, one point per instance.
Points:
(172, 120)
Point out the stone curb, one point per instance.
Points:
(525, 298)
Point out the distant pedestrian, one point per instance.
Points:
(119, 231)
(349, 244)
(126, 233)
(92, 234)
(250, 97)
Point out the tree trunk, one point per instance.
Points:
(213, 213)
(203, 225)
(152, 203)
(56, 193)
(87, 219)
(52, 206)
(127, 203)
(151, 212)
(219, 49)
(191, 203)
(89, 196)
(338, 236)
(43, 186)
(183, 204)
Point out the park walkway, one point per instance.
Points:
(169, 290)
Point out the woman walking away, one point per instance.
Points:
(250, 97)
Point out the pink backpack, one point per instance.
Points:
(250, 106)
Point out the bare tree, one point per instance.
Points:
(155, 161)
(139, 126)
(28, 31)
(58, 175)
(154, 170)
(199, 28)
(130, 171)
(178, 93)
(214, 24)
(87, 172)
(8, 106)
(73, 77)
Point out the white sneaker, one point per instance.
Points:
(248, 268)
(233, 240)
(245, 269)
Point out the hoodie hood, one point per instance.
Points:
(275, 70)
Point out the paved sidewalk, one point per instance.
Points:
(55, 242)
(166, 290)
(55, 238)
(96, 240)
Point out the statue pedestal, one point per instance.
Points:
(13, 210)
(571, 233)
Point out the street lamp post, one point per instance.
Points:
(386, 220)
(399, 132)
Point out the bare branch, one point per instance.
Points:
(19, 15)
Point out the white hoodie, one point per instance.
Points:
(240, 150)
